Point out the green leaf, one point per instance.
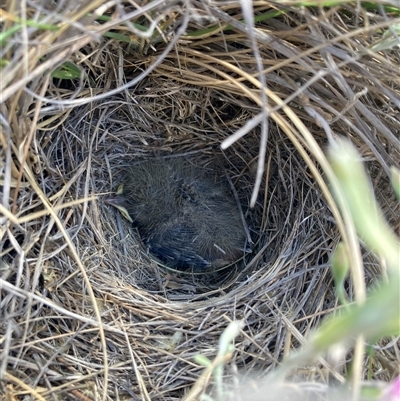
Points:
(340, 270)
(395, 178)
(67, 70)
(358, 191)
(378, 317)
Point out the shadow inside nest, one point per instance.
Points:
(290, 218)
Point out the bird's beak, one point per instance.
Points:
(118, 202)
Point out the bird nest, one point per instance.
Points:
(68, 258)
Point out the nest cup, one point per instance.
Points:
(290, 215)
(124, 150)
(205, 88)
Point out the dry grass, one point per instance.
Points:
(85, 312)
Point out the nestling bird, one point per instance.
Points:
(185, 214)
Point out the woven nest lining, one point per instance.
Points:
(287, 273)
(274, 221)
(155, 320)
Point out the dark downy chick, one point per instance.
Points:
(185, 214)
